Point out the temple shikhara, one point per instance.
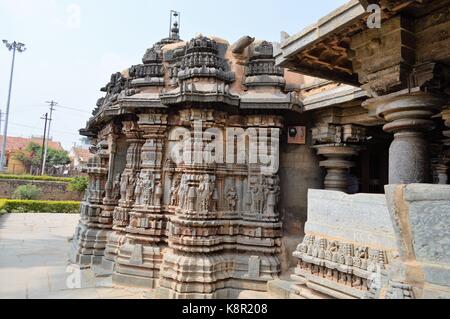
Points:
(311, 168)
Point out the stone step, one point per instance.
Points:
(282, 289)
(250, 294)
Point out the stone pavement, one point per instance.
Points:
(34, 261)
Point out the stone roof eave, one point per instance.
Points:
(336, 21)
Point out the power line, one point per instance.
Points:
(73, 109)
(36, 128)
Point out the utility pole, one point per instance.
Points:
(20, 47)
(45, 117)
(52, 108)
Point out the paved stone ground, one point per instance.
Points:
(34, 262)
(33, 259)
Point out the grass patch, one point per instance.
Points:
(37, 178)
(39, 206)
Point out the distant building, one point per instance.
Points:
(16, 144)
(79, 156)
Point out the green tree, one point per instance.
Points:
(32, 156)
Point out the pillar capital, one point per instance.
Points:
(406, 110)
(408, 114)
(338, 144)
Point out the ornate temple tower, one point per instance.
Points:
(190, 174)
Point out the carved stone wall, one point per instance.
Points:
(194, 213)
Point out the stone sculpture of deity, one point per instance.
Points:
(191, 198)
(148, 190)
(158, 194)
(116, 187)
(123, 186)
(271, 198)
(174, 190)
(232, 199)
(183, 192)
(205, 192)
(139, 190)
(131, 187)
(258, 198)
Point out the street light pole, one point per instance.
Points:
(20, 47)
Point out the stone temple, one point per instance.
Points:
(312, 168)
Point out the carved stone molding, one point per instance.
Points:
(342, 266)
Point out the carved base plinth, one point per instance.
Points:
(254, 271)
(195, 275)
(88, 246)
(115, 240)
(90, 238)
(138, 262)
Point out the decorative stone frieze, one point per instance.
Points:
(352, 267)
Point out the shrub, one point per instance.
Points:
(78, 184)
(35, 206)
(36, 178)
(29, 192)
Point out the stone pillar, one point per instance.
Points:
(408, 116)
(90, 238)
(140, 257)
(338, 144)
(123, 188)
(442, 167)
(337, 164)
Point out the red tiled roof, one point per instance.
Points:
(20, 143)
(82, 153)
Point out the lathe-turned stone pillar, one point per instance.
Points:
(443, 167)
(446, 118)
(338, 144)
(337, 164)
(123, 188)
(408, 116)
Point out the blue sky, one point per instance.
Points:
(74, 46)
